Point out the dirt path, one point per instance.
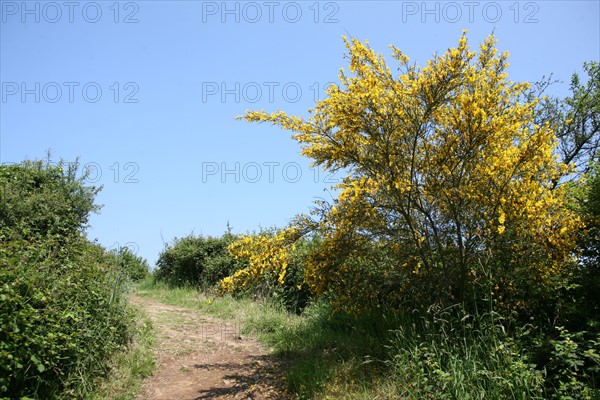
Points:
(201, 357)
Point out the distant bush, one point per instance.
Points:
(197, 261)
(204, 262)
(133, 267)
(61, 310)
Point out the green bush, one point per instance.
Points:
(574, 365)
(41, 200)
(61, 319)
(587, 275)
(61, 308)
(197, 261)
(202, 262)
(133, 267)
(568, 349)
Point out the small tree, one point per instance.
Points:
(449, 190)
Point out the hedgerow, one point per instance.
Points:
(62, 313)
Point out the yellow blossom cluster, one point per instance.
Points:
(264, 253)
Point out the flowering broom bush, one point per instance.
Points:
(449, 194)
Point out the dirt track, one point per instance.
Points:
(201, 357)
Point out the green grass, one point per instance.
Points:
(467, 358)
(262, 317)
(435, 355)
(129, 368)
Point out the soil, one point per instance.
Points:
(202, 357)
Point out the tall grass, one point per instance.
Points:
(130, 367)
(445, 355)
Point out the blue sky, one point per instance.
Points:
(145, 93)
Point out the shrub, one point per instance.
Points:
(41, 200)
(587, 273)
(61, 310)
(287, 283)
(131, 266)
(445, 170)
(573, 367)
(294, 292)
(197, 261)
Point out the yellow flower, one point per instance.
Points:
(501, 217)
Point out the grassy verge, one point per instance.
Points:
(437, 355)
(129, 368)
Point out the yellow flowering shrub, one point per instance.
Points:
(264, 252)
(448, 180)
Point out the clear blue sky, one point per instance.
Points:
(145, 93)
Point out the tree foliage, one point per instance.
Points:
(575, 119)
(584, 304)
(450, 190)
